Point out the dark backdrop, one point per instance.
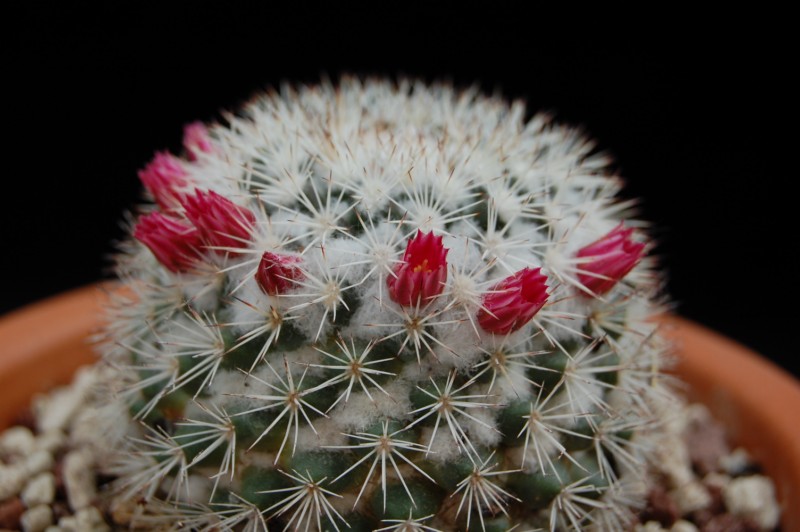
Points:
(697, 117)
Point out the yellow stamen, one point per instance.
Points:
(422, 267)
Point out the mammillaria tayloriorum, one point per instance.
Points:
(380, 306)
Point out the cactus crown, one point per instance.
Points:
(380, 306)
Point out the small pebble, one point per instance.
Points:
(729, 523)
(12, 478)
(702, 517)
(737, 462)
(87, 428)
(60, 509)
(36, 519)
(50, 441)
(707, 444)
(660, 508)
(37, 462)
(690, 497)
(683, 526)
(90, 519)
(87, 520)
(79, 478)
(68, 524)
(17, 441)
(10, 512)
(650, 526)
(674, 462)
(41, 489)
(55, 411)
(753, 497)
(718, 480)
(717, 505)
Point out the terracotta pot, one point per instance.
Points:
(44, 343)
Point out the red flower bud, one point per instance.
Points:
(512, 302)
(277, 273)
(164, 177)
(609, 259)
(422, 274)
(221, 223)
(196, 140)
(174, 242)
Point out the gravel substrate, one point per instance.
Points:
(701, 484)
(49, 478)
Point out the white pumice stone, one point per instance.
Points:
(674, 462)
(37, 462)
(17, 440)
(54, 412)
(683, 526)
(753, 497)
(50, 441)
(12, 479)
(79, 478)
(650, 526)
(85, 427)
(37, 519)
(90, 520)
(690, 497)
(40, 489)
(68, 523)
(735, 462)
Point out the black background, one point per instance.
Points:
(697, 116)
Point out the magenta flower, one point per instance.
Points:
(511, 303)
(222, 223)
(164, 177)
(174, 243)
(196, 140)
(609, 259)
(422, 274)
(277, 273)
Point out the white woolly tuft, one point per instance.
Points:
(359, 411)
(459, 348)
(444, 448)
(482, 429)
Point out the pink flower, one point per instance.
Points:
(221, 223)
(196, 140)
(164, 177)
(511, 303)
(277, 273)
(174, 242)
(422, 274)
(609, 259)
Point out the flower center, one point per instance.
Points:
(422, 267)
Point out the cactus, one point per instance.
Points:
(384, 306)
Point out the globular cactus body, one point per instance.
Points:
(384, 306)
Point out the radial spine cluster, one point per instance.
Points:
(384, 306)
